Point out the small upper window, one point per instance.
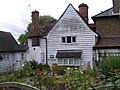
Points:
(68, 39)
(73, 39)
(22, 56)
(63, 39)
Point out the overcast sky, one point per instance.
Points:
(15, 15)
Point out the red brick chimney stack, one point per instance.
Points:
(35, 21)
(116, 6)
(35, 28)
(83, 10)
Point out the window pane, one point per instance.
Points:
(59, 61)
(73, 39)
(70, 61)
(68, 39)
(7, 56)
(76, 61)
(63, 39)
(65, 61)
(22, 56)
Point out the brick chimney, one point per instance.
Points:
(35, 28)
(116, 6)
(83, 10)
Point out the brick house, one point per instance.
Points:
(108, 28)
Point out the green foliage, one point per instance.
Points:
(77, 79)
(49, 81)
(34, 64)
(60, 71)
(46, 19)
(19, 75)
(74, 78)
(90, 71)
(22, 39)
(109, 64)
(29, 27)
(44, 67)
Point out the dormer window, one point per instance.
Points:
(68, 39)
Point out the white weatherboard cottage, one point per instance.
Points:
(68, 43)
(12, 54)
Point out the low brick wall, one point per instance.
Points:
(16, 86)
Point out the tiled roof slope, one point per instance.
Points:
(108, 42)
(9, 44)
(108, 12)
(43, 31)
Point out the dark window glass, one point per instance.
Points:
(63, 39)
(68, 39)
(73, 39)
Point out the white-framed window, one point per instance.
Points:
(3, 56)
(22, 56)
(69, 61)
(51, 56)
(7, 56)
(68, 39)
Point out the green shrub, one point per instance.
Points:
(44, 67)
(109, 64)
(60, 71)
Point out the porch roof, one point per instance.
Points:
(108, 42)
(68, 53)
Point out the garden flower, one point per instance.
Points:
(41, 73)
(75, 68)
(34, 72)
(44, 78)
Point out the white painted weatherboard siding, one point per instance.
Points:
(12, 61)
(70, 24)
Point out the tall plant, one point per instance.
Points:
(109, 64)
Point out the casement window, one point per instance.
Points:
(68, 62)
(3, 56)
(7, 56)
(68, 39)
(22, 56)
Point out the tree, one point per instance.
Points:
(45, 19)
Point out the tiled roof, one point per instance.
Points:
(46, 29)
(68, 53)
(108, 12)
(9, 44)
(43, 31)
(108, 42)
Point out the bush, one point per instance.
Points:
(109, 64)
(60, 71)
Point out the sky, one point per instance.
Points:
(15, 15)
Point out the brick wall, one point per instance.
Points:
(116, 6)
(108, 26)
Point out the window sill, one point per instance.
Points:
(68, 64)
(68, 43)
